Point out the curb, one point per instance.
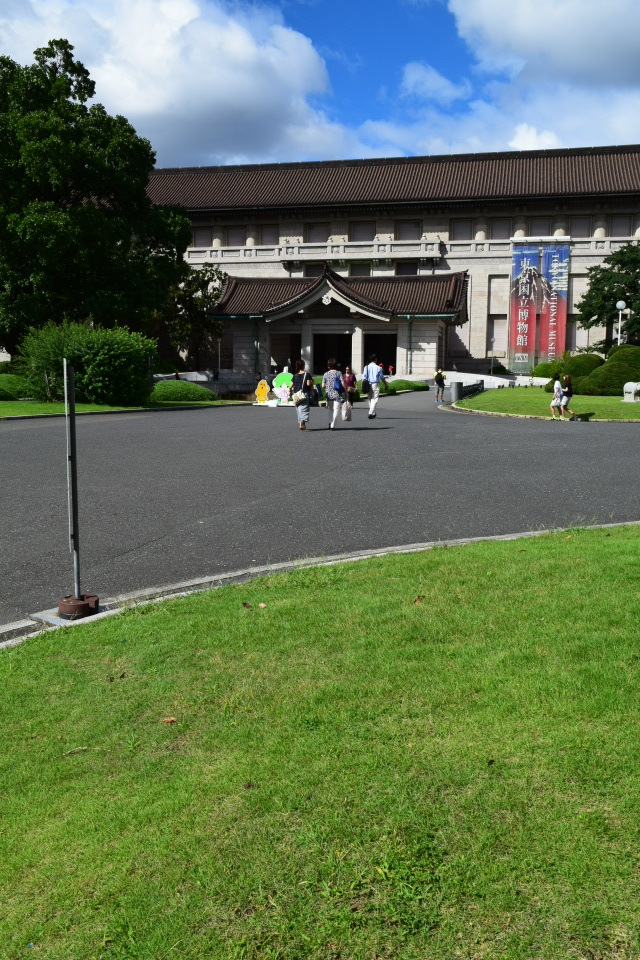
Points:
(44, 621)
(525, 416)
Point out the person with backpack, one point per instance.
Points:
(372, 377)
(334, 391)
(439, 381)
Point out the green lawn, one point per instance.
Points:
(30, 408)
(420, 757)
(533, 401)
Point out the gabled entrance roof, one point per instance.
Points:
(442, 295)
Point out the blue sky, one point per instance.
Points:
(228, 81)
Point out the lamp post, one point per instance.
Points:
(620, 306)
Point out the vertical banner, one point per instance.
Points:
(553, 306)
(522, 326)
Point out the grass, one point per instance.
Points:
(30, 408)
(420, 757)
(533, 401)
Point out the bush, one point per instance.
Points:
(549, 368)
(110, 366)
(582, 364)
(408, 385)
(578, 383)
(13, 387)
(181, 391)
(607, 380)
(629, 355)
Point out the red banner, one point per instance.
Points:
(553, 307)
(522, 326)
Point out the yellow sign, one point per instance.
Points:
(262, 391)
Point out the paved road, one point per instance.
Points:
(170, 496)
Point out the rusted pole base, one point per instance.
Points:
(73, 608)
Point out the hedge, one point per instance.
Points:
(607, 380)
(13, 387)
(181, 391)
(629, 355)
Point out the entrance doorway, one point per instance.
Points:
(384, 345)
(285, 350)
(327, 345)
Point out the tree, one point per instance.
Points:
(187, 313)
(617, 278)
(79, 236)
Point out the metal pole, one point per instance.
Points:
(619, 325)
(72, 475)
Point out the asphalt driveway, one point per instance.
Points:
(169, 496)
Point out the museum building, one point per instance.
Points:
(410, 258)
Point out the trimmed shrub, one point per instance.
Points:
(110, 366)
(182, 391)
(578, 383)
(13, 387)
(549, 368)
(408, 385)
(582, 364)
(629, 355)
(607, 380)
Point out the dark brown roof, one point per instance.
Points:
(441, 295)
(596, 171)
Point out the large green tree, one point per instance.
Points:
(79, 237)
(617, 278)
(187, 316)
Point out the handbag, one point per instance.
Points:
(337, 385)
(345, 411)
(301, 396)
(365, 386)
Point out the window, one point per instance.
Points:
(620, 226)
(500, 229)
(360, 270)
(269, 234)
(317, 232)
(408, 230)
(236, 236)
(362, 231)
(313, 269)
(580, 227)
(407, 268)
(201, 237)
(462, 229)
(539, 227)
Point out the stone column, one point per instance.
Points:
(519, 227)
(357, 345)
(251, 235)
(600, 226)
(306, 344)
(216, 237)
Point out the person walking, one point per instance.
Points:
(333, 386)
(567, 393)
(374, 375)
(557, 397)
(350, 382)
(439, 381)
(302, 382)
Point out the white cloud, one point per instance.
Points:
(587, 42)
(204, 84)
(214, 81)
(423, 81)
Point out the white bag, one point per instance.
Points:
(346, 411)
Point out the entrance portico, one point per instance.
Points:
(401, 319)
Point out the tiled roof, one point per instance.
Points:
(597, 171)
(434, 295)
